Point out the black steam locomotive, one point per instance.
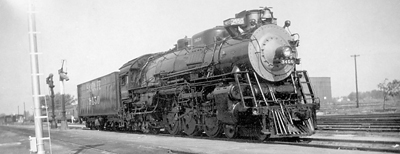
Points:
(235, 79)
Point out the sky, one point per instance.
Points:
(97, 37)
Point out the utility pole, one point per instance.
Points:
(63, 76)
(35, 81)
(24, 112)
(355, 65)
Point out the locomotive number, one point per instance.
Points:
(93, 100)
(287, 61)
(94, 91)
(234, 21)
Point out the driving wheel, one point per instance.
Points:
(171, 125)
(190, 126)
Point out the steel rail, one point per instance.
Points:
(305, 142)
(385, 115)
(341, 147)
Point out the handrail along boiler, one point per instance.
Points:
(235, 79)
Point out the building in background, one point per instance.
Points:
(322, 89)
(11, 119)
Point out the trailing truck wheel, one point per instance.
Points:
(212, 126)
(230, 131)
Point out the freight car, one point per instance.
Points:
(99, 97)
(235, 79)
(10, 119)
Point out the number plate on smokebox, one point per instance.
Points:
(288, 61)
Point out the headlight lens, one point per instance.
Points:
(287, 51)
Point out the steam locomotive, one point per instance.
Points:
(235, 79)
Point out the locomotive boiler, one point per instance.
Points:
(235, 79)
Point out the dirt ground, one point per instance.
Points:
(15, 140)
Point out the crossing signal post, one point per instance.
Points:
(49, 81)
(63, 77)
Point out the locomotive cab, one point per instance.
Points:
(248, 21)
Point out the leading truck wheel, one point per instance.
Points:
(261, 136)
(154, 130)
(230, 131)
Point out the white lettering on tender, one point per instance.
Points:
(93, 89)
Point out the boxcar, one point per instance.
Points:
(100, 96)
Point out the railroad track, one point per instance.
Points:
(360, 145)
(368, 123)
(329, 143)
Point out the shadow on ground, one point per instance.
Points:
(84, 147)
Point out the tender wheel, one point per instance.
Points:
(230, 131)
(190, 126)
(213, 127)
(171, 125)
(115, 126)
(128, 127)
(89, 125)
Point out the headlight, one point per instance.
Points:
(287, 51)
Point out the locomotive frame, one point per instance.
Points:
(236, 79)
